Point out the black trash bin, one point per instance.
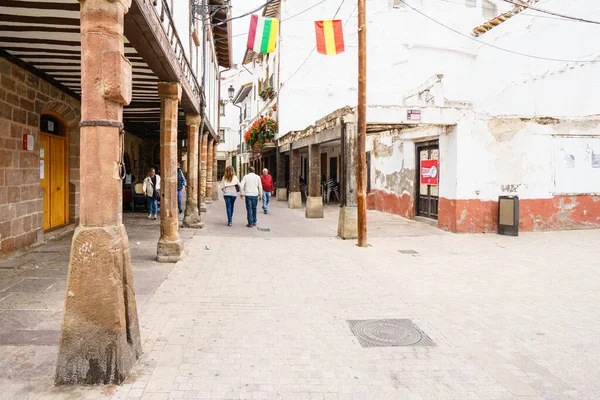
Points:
(508, 215)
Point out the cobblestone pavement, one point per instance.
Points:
(255, 314)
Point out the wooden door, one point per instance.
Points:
(427, 195)
(58, 175)
(45, 176)
(54, 180)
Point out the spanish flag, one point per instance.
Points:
(330, 37)
(263, 34)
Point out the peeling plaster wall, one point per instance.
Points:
(551, 164)
(404, 50)
(393, 169)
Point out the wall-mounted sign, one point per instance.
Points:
(28, 142)
(429, 172)
(41, 169)
(413, 115)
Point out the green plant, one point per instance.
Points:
(262, 131)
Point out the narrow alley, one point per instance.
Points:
(264, 313)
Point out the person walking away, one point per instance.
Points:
(180, 184)
(268, 189)
(251, 188)
(230, 185)
(151, 187)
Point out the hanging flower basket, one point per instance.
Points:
(267, 93)
(262, 131)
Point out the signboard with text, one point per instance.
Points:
(413, 115)
(429, 172)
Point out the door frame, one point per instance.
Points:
(429, 144)
(66, 162)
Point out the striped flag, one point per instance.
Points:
(263, 34)
(330, 37)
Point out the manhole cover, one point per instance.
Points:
(264, 229)
(408, 252)
(388, 332)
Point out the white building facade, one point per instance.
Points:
(495, 122)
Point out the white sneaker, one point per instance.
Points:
(149, 216)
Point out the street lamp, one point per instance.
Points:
(231, 92)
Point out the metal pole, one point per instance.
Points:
(361, 178)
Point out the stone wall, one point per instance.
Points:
(23, 98)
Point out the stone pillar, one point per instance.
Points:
(348, 219)
(295, 199)
(209, 169)
(215, 192)
(281, 165)
(170, 246)
(314, 201)
(203, 159)
(192, 218)
(100, 339)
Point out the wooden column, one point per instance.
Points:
(100, 339)
(361, 140)
(314, 201)
(192, 218)
(209, 169)
(295, 197)
(347, 223)
(215, 192)
(170, 246)
(203, 161)
(281, 184)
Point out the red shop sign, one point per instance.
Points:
(429, 172)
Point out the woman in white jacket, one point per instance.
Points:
(150, 185)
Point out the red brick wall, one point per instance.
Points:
(23, 98)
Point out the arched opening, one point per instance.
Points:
(54, 170)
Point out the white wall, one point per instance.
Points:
(525, 158)
(404, 50)
(516, 85)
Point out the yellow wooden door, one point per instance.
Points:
(53, 180)
(45, 176)
(58, 189)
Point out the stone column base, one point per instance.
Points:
(203, 207)
(215, 195)
(169, 251)
(193, 221)
(295, 200)
(100, 340)
(348, 223)
(281, 194)
(314, 207)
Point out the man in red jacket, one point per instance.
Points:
(268, 189)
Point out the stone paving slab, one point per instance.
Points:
(251, 314)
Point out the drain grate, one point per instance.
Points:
(408, 252)
(388, 332)
(264, 229)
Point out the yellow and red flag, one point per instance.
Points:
(330, 37)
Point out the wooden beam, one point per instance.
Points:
(145, 32)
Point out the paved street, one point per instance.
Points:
(255, 314)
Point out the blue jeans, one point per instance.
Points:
(179, 201)
(251, 203)
(229, 201)
(266, 198)
(152, 205)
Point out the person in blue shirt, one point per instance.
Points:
(180, 184)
